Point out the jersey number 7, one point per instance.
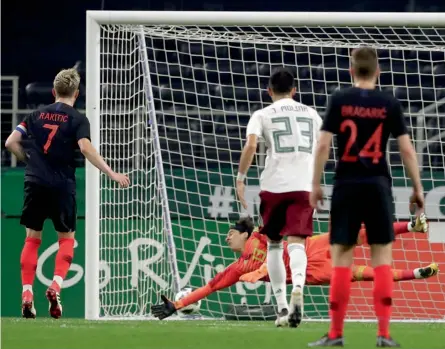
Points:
(371, 148)
(53, 130)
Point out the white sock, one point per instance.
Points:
(27, 288)
(58, 280)
(297, 264)
(277, 273)
(417, 274)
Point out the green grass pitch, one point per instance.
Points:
(82, 334)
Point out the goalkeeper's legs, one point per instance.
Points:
(366, 273)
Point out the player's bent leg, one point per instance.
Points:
(415, 274)
(28, 265)
(426, 272)
(64, 258)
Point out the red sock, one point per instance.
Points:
(28, 260)
(338, 299)
(64, 258)
(400, 275)
(400, 228)
(383, 286)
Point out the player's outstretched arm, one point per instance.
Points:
(94, 157)
(164, 310)
(14, 146)
(255, 275)
(226, 278)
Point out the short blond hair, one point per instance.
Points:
(66, 82)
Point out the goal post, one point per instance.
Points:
(169, 95)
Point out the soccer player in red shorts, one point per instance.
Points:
(251, 266)
(290, 130)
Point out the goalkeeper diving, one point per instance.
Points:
(251, 265)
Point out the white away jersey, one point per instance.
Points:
(290, 130)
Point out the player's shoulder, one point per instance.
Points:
(60, 108)
(256, 234)
(265, 111)
(308, 110)
(314, 113)
(342, 93)
(352, 94)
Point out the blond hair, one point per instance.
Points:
(66, 82)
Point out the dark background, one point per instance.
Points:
(41, 37)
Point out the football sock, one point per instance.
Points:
(365, 273)
(383, 287)
(28, 262)
(339, 293)
(64, 258)
(298, 264)
(402, 228)
(406, 274)
(277, 273)
(362, 273)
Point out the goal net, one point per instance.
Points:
(169, 104)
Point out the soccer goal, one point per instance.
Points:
(169, 95)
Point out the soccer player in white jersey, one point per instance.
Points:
(290, 130)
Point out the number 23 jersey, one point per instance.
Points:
(49, 139)
(290, 131)
(363, 120)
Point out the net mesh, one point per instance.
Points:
(205, 82)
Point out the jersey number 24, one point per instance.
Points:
(307, 131)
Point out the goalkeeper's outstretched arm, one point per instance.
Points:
(226, 278)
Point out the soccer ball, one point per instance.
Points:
(191, 308)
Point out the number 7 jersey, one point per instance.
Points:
(290, 131)
(49, 139)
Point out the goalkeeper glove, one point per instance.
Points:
(162, 311)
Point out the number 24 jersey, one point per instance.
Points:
(363, 120)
